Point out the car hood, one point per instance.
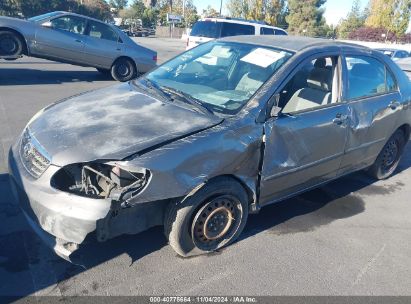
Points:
(112, 123)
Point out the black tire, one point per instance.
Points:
(10, 44)
(389, 157)
(223, 202)
(123, 70)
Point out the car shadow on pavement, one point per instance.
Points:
(21, 251)
(26, 76)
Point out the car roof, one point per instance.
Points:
(290, 43)
(82, 16)
(388, 49)
(239, 21)
(392, 50)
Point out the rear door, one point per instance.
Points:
(62, 39)
(103, 45)
(372, 94)
(305, 143)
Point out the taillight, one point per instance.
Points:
(155, 58)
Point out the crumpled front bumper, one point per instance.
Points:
(62, 220)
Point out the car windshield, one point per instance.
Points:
(44, 16)
(220, 76)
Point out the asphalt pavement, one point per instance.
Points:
(350, 237)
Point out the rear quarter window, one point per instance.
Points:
(280, 32)
(235, 29)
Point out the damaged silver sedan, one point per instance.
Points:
(207, 138)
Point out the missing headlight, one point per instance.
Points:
(101, 180)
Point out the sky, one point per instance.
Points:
(334, 9)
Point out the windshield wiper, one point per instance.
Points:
(187, 98)
(156, 88)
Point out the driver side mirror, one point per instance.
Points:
(47, 24)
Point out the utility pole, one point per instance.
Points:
(221, 6)
(184, 13)
(171, 26)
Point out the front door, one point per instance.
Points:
(62, 38)
(305, 143)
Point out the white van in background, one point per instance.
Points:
(207, 29)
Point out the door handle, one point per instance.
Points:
(78, 40)
(393, 105)
(340, 119)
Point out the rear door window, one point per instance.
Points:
(235, 29)
(266, 31)
(368, 77)
(209, 29)
(102, 31)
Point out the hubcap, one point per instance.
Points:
(8, 45)
(123, 70)
(390, 155)
(216, 221)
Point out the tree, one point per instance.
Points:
(94, 8)
(118, 4)
(271, 11)
(210, 12)
(189, 12)
(138, 10)
(257, 10)
(238, 8)
(392, 15)
(9, 8)
(276, 13)
(306, 17)
(354, 20)
(401, 17)
(375, 34)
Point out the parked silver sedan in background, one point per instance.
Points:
(75, 39)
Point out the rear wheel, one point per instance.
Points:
(209, 220)
(10, 44)
(389, 157)
(123, 69)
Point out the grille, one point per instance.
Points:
(34, 157)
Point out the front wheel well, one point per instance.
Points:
(250, 192)
(406, 129)
(128, 58)
(23, 40)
